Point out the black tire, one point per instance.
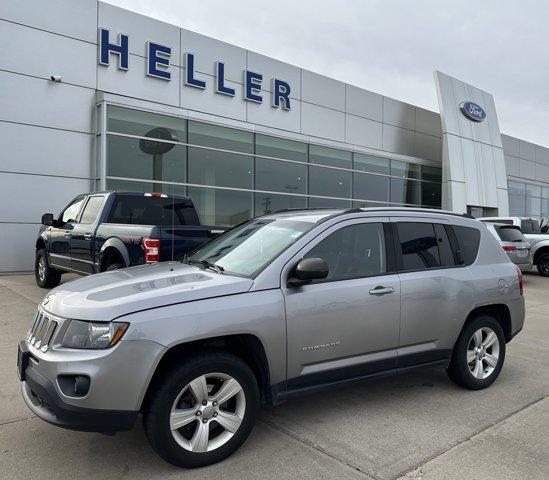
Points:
(165, 390)
(49, 277)
(459, 370)
(543, 265)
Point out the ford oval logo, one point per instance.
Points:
(472, 111)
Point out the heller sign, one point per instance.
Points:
(158, 66)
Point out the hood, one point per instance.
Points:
(109, 295)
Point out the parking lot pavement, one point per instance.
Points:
(418, 425)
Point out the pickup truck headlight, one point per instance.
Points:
(93, 335)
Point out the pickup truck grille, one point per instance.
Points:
(42, 331)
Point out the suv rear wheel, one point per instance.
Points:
(46, 277)
(202, 410)
(479, 354)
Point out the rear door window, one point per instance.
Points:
(145, 210)
(418, 246)
(92, 209)
(510, 234)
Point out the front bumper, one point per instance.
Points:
(44, 401)
(118, 380)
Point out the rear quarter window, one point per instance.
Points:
(468, 241)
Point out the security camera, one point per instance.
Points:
(55, 78)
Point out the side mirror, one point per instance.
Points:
(307, 270)
(47, 219)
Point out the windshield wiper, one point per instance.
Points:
(212, 266)
(204, 264)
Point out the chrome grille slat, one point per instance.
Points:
(42, 331)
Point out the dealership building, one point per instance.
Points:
(95, 97)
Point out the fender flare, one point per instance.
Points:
(118, 245)
(538, 246)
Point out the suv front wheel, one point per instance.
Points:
(479, 354)
(202, 410)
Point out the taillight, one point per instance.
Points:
(521, 283)
(509, 248)
(151, 247)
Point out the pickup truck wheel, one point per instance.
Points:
(543, 265)
(202, 411)
(479, 354)
(114, 266)
(46, 277)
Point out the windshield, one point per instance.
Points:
(247, 249)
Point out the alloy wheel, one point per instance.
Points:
(41, 268)
(483, 353)
(207, 412)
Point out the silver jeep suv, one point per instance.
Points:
(280, 305)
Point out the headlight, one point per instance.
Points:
(93, 335)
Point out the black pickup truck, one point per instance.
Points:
(110, 230)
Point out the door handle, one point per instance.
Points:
(87, 236)
(380, 290)
(67, 234)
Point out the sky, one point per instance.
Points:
(392, 46)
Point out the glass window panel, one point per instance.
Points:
(271, 202)
(405, 169)
(354, 251)
(370, 187)
(516, 188)
(418, 245)
(329, 182)
(370, 163)
(444, 247)
(211, 167)
(274, 175)
(330, 156)
(145, 159)
(517, 205)
(533, 207)
(280, 148)
(328, 203)
(71, 212)
(222, 207)
(145, 124)
(214, 136)
(92, 209)
(145, 187)
(405, 191)
(469, 241)
(533, 190)
(545, 192)
(433, 174)
(431, 194)
(545, 207)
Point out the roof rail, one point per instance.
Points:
(378, 209)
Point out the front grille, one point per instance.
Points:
(42, 331)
